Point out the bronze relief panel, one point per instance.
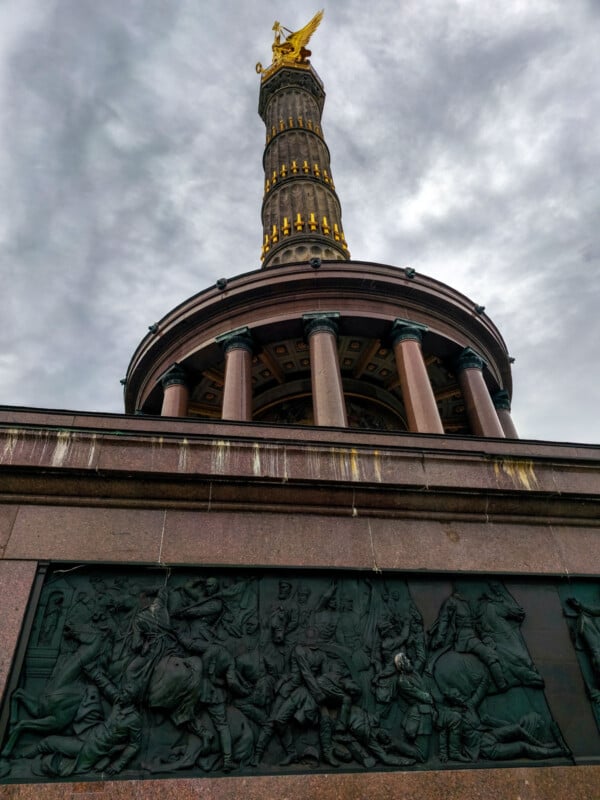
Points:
(147, 672)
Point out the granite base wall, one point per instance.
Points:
(434, 504)
(564, 783)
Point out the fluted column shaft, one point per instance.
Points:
(419, 401)
(301, 212)
(176, 394)
(329, 407)
(237, 389)
(478, 402)
(501, 402)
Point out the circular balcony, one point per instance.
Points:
(366, 298)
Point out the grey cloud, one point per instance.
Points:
(463, 143)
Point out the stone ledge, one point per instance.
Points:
(527, 783)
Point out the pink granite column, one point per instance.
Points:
(501, 402)
(237, 391)
(419, 401)
(176, 394)
(329, 407)
(478, 403)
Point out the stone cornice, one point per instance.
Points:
(138, 461)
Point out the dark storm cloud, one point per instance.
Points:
(465, 141)
(481, 136)
(112, 189)
(81, 153)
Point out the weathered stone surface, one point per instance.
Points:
(16, 580)
(566, 783)
(86, 534)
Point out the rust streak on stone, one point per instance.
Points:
(520, 471)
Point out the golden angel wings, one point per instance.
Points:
(292, 50)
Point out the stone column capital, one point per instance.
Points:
(174, 376)
(501, 400)
(238, 339)
(320, 321)
(469, 359)
(407, 329)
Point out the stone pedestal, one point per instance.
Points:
(342, 537)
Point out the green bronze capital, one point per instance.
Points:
(469, 359)
(238, 339)
(317, 321)
(501, 400)
(403, 329)
(174, 376)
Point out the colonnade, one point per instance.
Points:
(488, 416)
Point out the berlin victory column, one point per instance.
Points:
(313, 557)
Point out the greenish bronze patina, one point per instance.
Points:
(143, 672)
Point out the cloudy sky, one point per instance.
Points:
(465, 142)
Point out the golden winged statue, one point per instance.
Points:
(292, 50)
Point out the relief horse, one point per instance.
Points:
(56, 707)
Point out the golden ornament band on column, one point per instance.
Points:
(311, 224)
